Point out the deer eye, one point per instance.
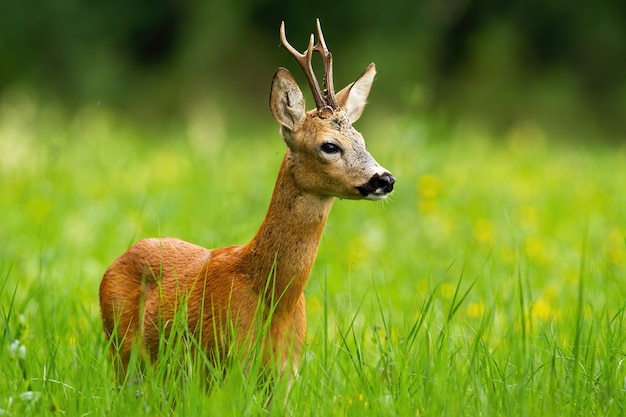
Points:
(330, 148)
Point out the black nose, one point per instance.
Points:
(379, 185)
(386, 181)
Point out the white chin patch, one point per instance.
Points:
(379, 194)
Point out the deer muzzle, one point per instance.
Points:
(378, 186)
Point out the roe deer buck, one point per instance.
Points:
(224, 288)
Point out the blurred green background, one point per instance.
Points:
(502, 121)
(558, 65)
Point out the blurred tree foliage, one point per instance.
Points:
(552, 62)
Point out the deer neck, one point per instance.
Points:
(283, 251)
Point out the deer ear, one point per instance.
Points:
(286, 100)
(354, 97)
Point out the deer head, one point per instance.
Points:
(326, 154)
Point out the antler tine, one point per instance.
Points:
(304, 59)
(329, 89)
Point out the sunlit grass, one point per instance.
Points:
(491, 283)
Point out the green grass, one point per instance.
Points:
(492, 282)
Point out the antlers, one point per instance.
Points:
(327, 99)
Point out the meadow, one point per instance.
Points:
(492, 282)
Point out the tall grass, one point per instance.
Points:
(492, 283)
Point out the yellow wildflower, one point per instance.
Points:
(542, 311)
(429, 188)
(535, 249)
(475, 310)
(483, 231)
